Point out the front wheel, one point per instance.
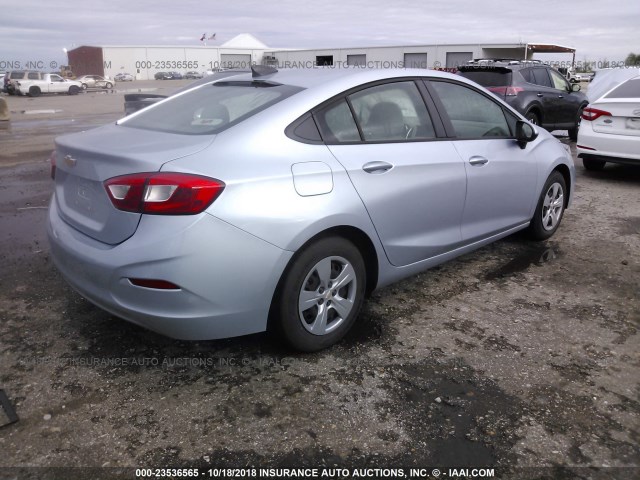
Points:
(74, 90)
(109, 85)
(320, 295)
(550, 208)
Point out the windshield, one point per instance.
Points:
(211, 108)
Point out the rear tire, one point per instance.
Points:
(34, 92)
(533, 117)
(320, 295)
(84, 86)
(593, 164)
(573, 132)
(550, 209)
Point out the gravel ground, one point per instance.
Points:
(522, 357)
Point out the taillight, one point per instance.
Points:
(592, 114)
(506, 91)
(52, 163)
(163, 193)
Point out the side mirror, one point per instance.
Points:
(575, 87)
(525, 133)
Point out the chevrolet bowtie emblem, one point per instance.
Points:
(70, 161)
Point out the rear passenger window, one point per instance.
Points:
(337, 124)
(392, 112)
(541, 77)
(527, 75)
(472, 114)
(33, 76)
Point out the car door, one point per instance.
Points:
(57, 84)
(567, 104)
(546, 93)
(501, 177)
(407, 173)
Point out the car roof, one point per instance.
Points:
(312, 77)
(505, 63)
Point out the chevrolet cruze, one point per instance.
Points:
(280, 199)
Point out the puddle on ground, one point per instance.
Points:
(534, 255)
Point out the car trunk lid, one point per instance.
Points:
(624, 119)
(85, 160)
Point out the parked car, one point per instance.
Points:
(610, 129)
(534, 89)
(163, 76)
(46, 83)
(321, 186)
(14, 76)
(123, 77)
(94, 81)
(175, 75)
(194, 75)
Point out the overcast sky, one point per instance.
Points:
(34, 30)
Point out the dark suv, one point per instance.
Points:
(534, 89)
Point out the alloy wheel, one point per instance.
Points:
(552, 206)
(327, 296)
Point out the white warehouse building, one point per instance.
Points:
(446, 56)
(245, 50)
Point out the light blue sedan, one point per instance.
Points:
(280, 199)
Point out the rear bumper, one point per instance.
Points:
(607, 147)
(227, 276)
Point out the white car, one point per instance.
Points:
(95, 81)
(123, 77)
(610, 127)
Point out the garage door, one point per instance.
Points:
(415, 60)
(356, 60)
(235, 61)
(455, 59)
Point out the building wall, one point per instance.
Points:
(144, 62)
(389, 57)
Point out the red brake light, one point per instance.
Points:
(592, 114)
(163, 193)
(506, 91)
(52, 162)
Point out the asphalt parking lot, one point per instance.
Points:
(522, 357)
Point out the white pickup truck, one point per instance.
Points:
(47, 83)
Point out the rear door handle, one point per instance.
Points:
(478, 160)
(560, 96)
(539, 95)
(377, 167)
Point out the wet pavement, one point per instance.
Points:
(522, 357)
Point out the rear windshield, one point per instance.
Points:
(629, 89)
(489, 77)
(211, 108)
